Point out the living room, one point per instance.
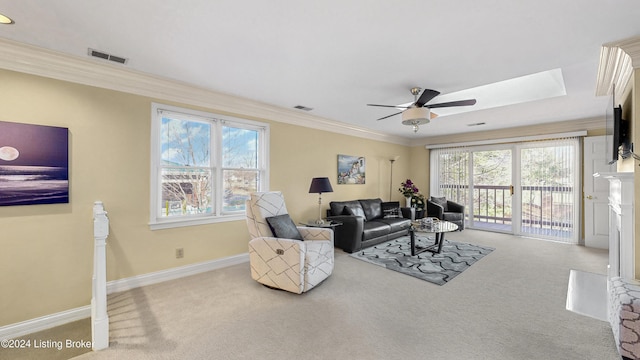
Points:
(105, 125)
(108, 113)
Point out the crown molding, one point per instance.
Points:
(34, 60)
(544, 130)
(511, 140)
(617, 61)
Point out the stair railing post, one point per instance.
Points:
(99, 316)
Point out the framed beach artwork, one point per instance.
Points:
(351, 169)
(34, 164)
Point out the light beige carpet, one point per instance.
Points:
(510, 305)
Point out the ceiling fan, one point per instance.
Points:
(419, 113)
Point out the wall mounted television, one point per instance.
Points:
(617, 135)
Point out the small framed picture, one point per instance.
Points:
(351, 169)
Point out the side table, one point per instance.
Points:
(412, 213)
(327, 224)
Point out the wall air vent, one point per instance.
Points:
(105, 56)
(300, 107)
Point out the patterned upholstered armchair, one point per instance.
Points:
(295, 265)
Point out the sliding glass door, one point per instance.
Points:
(492, 190)
(550, 190)
(524, 188)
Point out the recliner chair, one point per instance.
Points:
(295, 265)
(447, 210)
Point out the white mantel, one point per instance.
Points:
(621, 227)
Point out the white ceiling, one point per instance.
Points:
(335, 56)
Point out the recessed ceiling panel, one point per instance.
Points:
(538, 86)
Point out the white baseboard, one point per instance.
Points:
(44, 322)
(48, 321)
(173, 273)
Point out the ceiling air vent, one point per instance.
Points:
(105, 56)
(477, 124)
(300, 107)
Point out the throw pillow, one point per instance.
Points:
(355, 210)
(442, 201)
(283, 227)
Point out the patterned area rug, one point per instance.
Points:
(395, 255)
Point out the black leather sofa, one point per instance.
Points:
(363, 224)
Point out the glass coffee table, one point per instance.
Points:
(439, 228)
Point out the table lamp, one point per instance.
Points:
(318, 186)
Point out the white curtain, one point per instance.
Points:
(550, 189)
(450, 173)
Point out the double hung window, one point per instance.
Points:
(204, 166)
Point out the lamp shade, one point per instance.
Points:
(320, 185)
(416, 116)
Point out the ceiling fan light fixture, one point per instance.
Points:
(416, 116)
(421, 114)
(6, 20)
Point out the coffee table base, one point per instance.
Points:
(436, 248)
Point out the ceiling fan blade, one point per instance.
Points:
(452, 103)
(426, 96)
(382, 118)
(391, 106)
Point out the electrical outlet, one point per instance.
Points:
(179, 253)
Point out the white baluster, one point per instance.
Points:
(99, 317)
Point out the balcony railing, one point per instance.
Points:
(545, 209)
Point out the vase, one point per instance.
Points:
(408, 198)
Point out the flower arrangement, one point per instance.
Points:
(418, 201)
(408, 188)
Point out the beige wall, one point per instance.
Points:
(419, 171)
(47, 255)
(298, 154)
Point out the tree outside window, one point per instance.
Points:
(186, 167)
(206, 165)
(241, 175)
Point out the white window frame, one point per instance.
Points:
(217, 122)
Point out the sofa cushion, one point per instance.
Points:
(355, 210)
(372, 208)
(339, 207)
(396, 224)
(283, 227)
(442, 201)
(374, 229)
